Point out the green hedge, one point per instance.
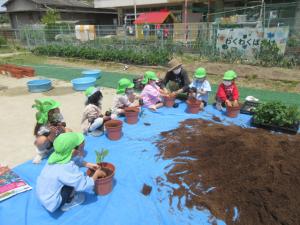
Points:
(138, 55)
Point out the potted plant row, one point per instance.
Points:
(277, 116)
(17, 71)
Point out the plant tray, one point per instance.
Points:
(247, 107)
(290, 130)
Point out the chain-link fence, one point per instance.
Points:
(234, 35)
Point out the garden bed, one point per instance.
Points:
(148, 55)
(242, 176)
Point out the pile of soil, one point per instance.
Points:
(243, 176)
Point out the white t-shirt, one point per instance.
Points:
(201, 86)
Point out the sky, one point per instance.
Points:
(1, 3)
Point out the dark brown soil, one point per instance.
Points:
(222, 168)
(113, 124)
(146, 190)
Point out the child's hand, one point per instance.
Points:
(152, 107)
(99, 174)
(54, 132)
(92, 166)
(228, 103)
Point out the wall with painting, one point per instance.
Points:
(247, 40)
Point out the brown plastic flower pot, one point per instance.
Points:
(103, 186)
(16, 72)
(169, 100)
(193, 106)
(3, 70)
(114, 129)
(232, 111)
(132, 114)
(28, 71)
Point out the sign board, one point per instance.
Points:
(248, 40)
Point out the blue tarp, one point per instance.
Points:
(136, 161)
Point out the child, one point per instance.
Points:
(92, 120)
(152, 94)
(227, 94)
(200, 87)
(49, 125)
(61, 178)
(125, 97)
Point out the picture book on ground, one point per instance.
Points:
(10, 183)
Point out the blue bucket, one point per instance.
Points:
(81, 84)
(39, 85)
(92, 73)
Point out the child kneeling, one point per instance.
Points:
(152, 94)
(125, 97)
(200, 87)
(227, 93)
(49, 124)
(61, 179)
(92, 119)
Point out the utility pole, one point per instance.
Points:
(135, 26)
(185, 19)
(262, 15)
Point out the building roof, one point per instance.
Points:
(152, 17)
(68, 3)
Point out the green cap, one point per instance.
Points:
(123, 84)
(63, 147)
(149, 75)
(200, 72)
(229, 75)
(90, 91)
(44, 105)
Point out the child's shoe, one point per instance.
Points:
(77, 200)
(219, 106)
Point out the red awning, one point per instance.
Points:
(152, 18)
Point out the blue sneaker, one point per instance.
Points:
(77, 200)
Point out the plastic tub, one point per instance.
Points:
(39, 85)
(92, 73)
(81, 84)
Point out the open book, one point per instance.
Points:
(10, 183)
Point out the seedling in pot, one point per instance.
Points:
(100, 155)
(103, 185)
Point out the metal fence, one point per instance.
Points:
(210, 39)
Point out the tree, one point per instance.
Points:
(4, 19)
(51, 17)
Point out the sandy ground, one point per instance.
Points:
(18, 117)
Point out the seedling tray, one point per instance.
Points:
(289, 130)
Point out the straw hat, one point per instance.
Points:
(173, 64)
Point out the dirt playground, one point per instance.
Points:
(243, 176)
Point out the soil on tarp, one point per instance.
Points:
(243, 176)
(146, 190)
